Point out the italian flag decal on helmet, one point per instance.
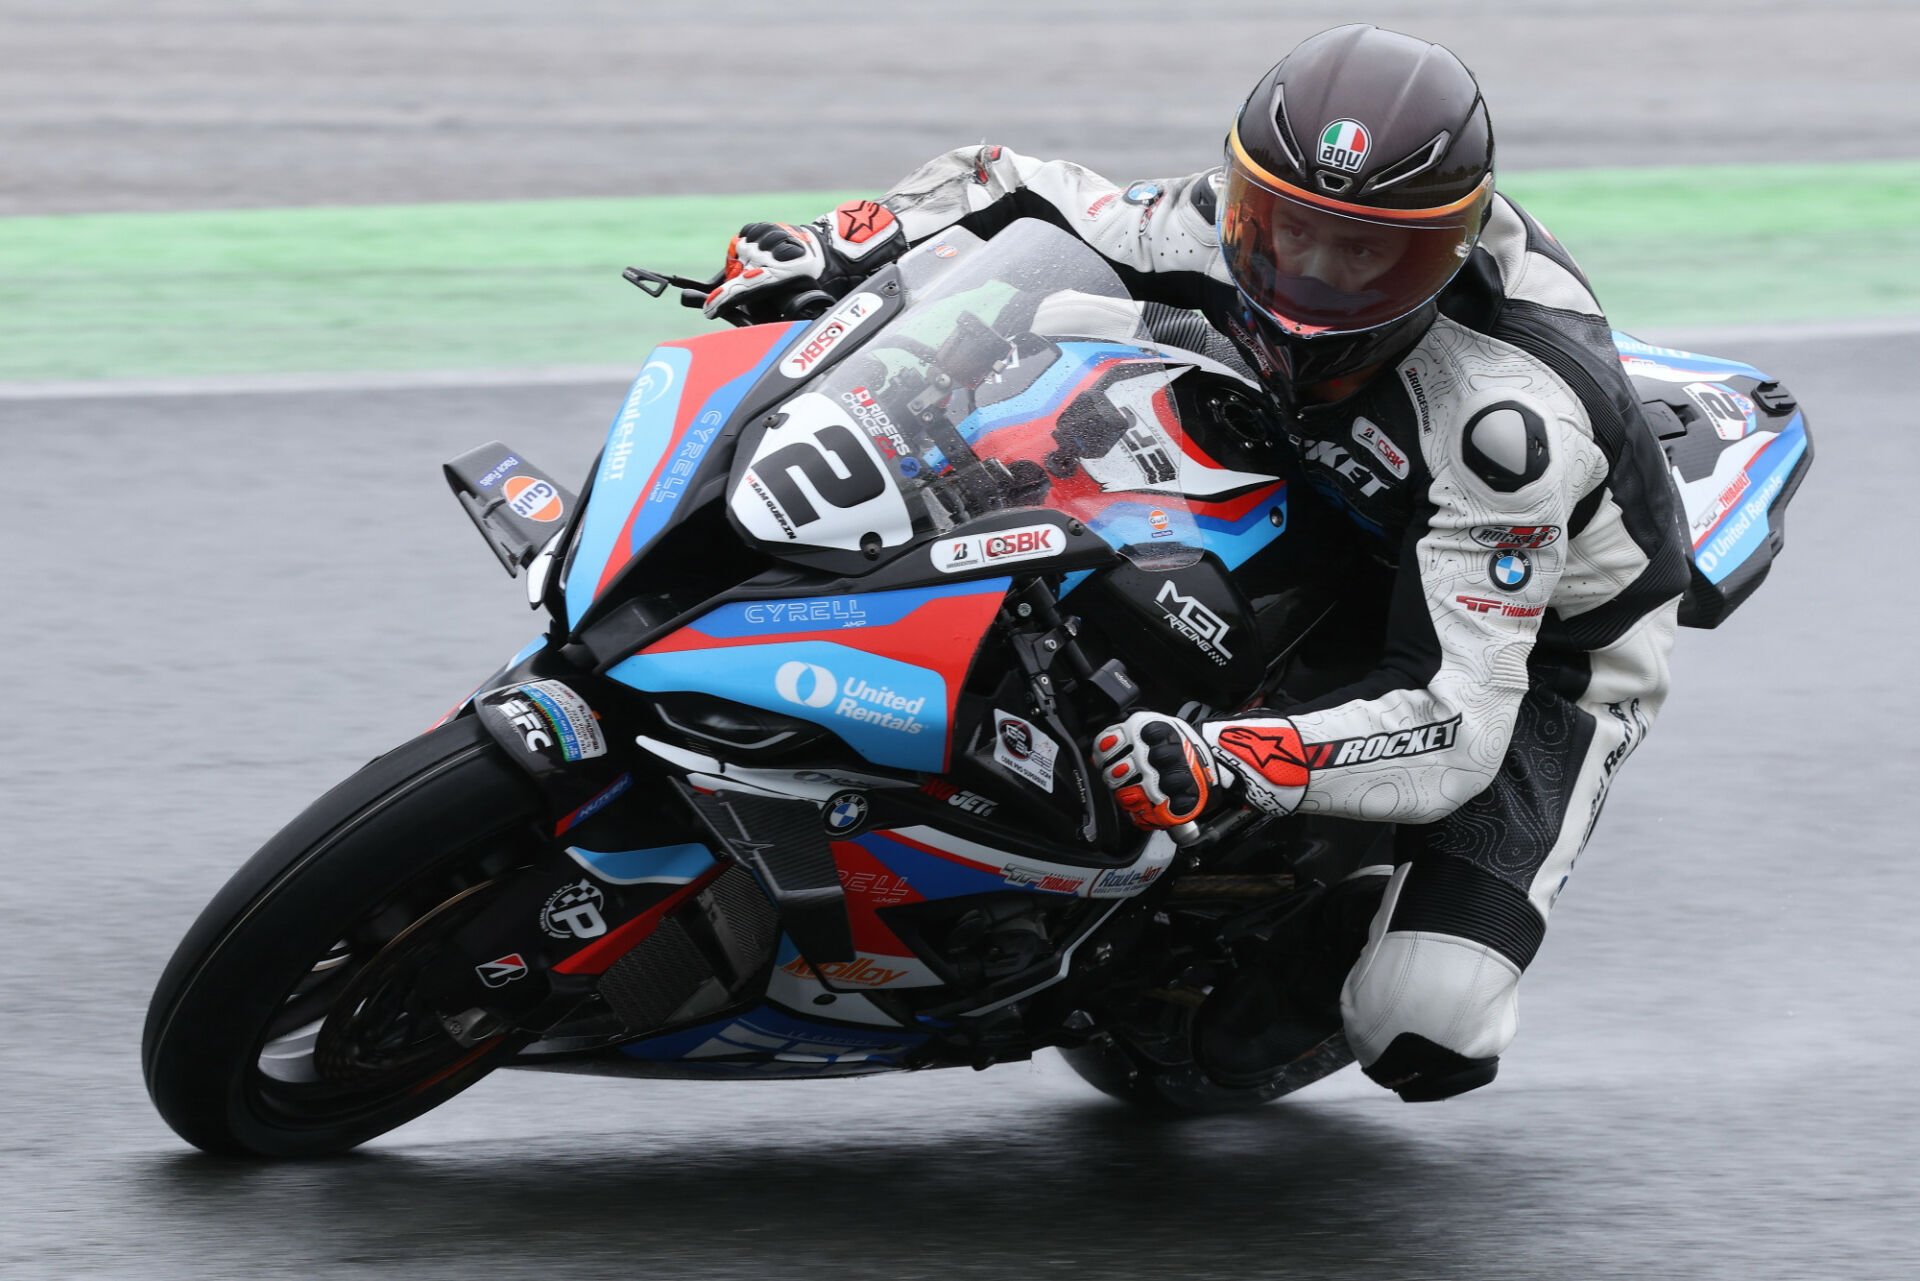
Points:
(1344, 145)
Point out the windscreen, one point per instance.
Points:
(1015, 376)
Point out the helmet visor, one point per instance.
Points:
(1318, 265)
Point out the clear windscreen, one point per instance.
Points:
(1015, 376)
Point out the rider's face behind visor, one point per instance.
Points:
(1317, 266)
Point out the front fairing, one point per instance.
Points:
(1013, 376)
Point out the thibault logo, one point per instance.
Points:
(1344, 145)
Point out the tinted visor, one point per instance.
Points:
(1318, 265)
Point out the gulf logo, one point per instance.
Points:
(533, 498)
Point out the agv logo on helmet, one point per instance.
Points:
(1344, 145)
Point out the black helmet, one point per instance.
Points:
(1358, 176)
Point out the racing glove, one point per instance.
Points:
(770, 263)
(1158, 767)
(1266, 756)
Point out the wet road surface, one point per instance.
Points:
(224, 603)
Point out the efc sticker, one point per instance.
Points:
(829, 334)
(1021, 747)
(1507, 537)
(975, 551)
(1392, 457)
(1344, 145)
(503, 970)
(548, 713)
(532, 499)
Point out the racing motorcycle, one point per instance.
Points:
(795, 781)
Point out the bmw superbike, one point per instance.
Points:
(795, 782)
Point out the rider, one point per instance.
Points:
(1446, 377)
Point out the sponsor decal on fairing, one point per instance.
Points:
(1002, 547)
(1730, 413)
(1020, 745)
(531, 498)
(502, 970)
(830, 333)
(845, 813)
(573, 911)
(1206, 629)
(505, 467)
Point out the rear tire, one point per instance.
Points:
(265, 1034)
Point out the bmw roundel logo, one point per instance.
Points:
(846, 813)
(1509, 570)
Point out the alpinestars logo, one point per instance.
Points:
(1196, 622)
(1274, 752)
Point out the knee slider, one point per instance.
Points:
(1421, 1072)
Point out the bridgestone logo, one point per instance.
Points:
(1384, 747)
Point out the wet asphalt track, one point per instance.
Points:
(220, 604)
(233, 600)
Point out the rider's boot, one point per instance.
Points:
(1286, 1004)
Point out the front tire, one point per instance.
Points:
(283, 1025)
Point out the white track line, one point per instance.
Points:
(1707, 339)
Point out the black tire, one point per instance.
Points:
(304, 922)
(1182, 1089)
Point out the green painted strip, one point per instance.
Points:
(537, 283)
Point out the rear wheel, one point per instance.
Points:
(287, 1023)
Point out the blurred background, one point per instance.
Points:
(264, 266)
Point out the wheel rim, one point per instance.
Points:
(353, 1037)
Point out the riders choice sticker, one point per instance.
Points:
(1021, 747)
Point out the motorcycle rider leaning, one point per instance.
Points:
(1446, 378)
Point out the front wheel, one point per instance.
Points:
(286, 1023)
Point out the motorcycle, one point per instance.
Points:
(795, 782)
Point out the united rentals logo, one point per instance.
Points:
(1344, 145)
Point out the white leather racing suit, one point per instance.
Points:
(1502, 466)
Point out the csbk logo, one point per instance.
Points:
(852, 314)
